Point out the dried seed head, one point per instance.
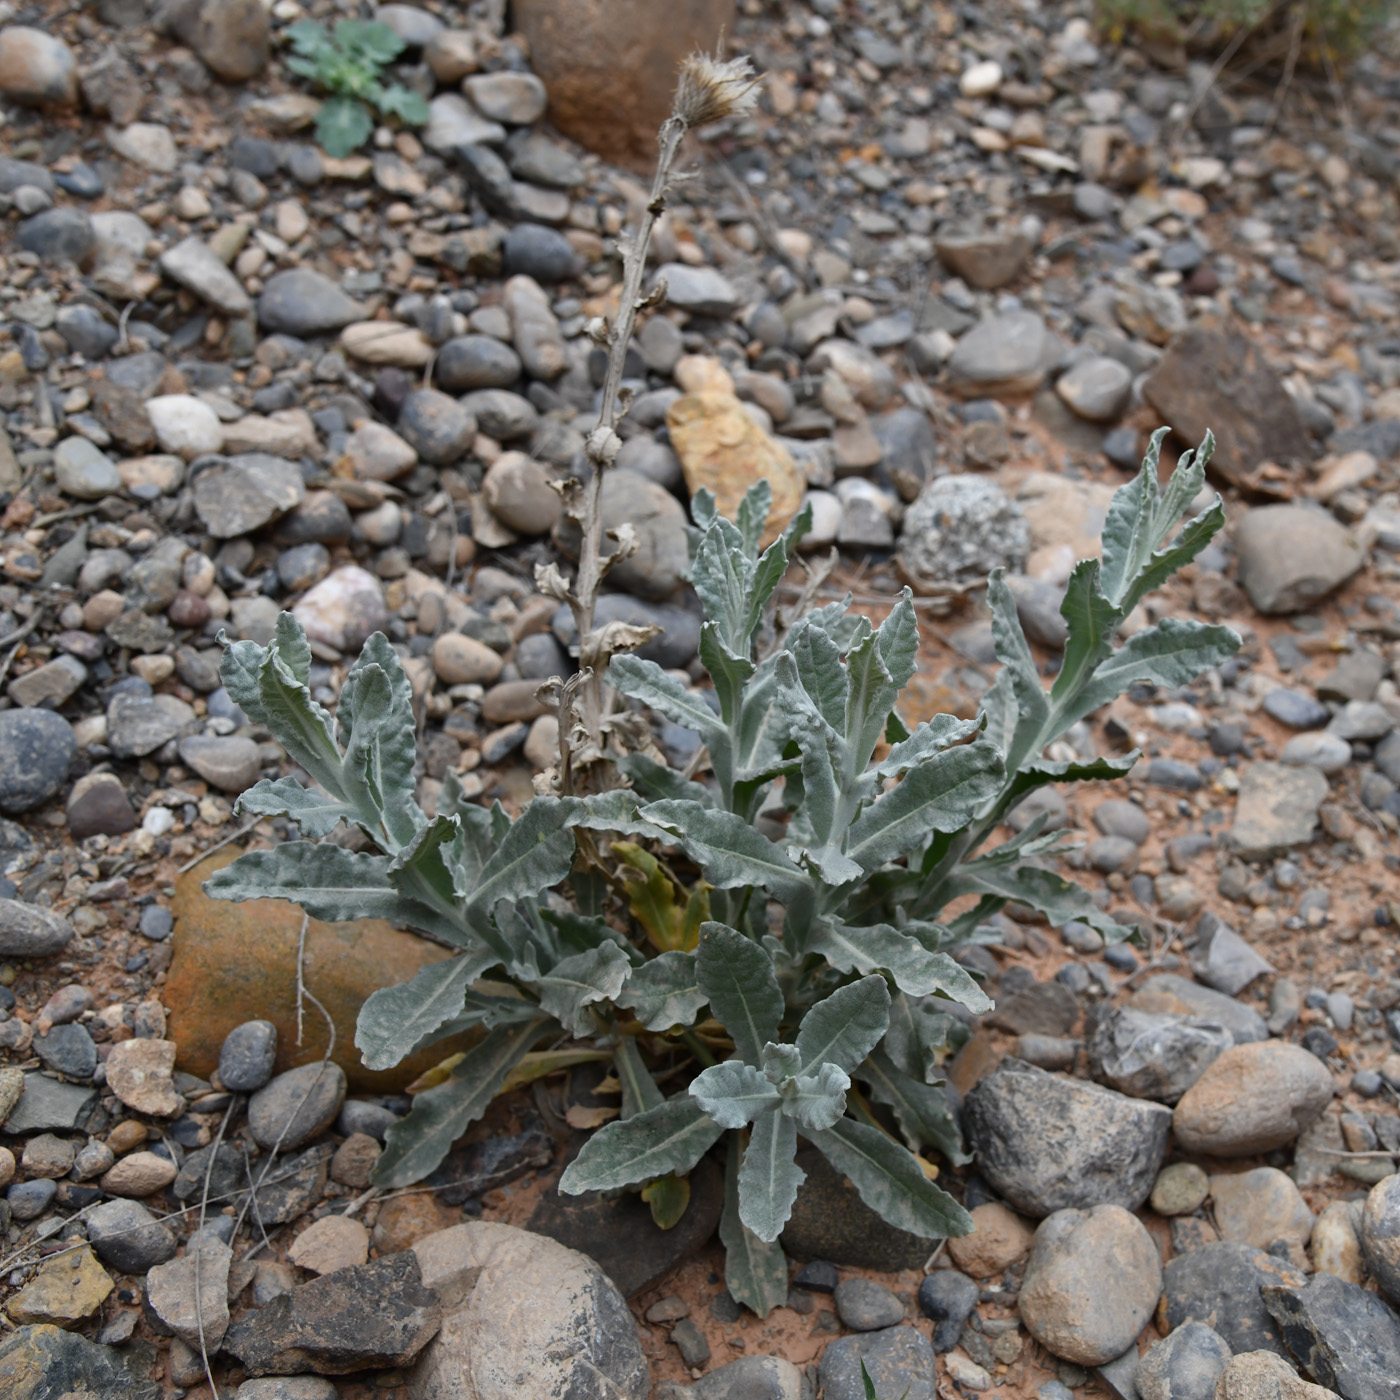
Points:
(709, 89)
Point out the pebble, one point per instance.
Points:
(194, 264)
(85, 471)
(436, 427)
(230, 763)
(63, 1293)
(197, 1316)
(999, 1239)
(1261, 1207)
(344, 609)
(1252, 1099)
(1346, 1337)
(1180, 1189)
(69, 1051)
(296, 1106)
(517, 99)
(30, 1199)
(1222, 959)
(247, 1056)
(1091, 1284)
(127, 1237)
(962, 527)
(246, 492)
(460, 660)
(57, 235)
(540, 252)
(1277, 808)
(1263, 1375)
(37, 69)
(1296, 708)
(1290, 556)
(139, 1174)
(287, 1388)
(328, 1244)
(1335, 1246)
(947, 1297)
(518, 491)
(98, 806)
(864, 1306)
(1184, 1365)
(140, 1074)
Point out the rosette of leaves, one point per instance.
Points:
(801, 979)
(348, 63)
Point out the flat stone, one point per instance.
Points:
(1153, 1055)
(376, 1315)
(1005, 356)
(43, 1362)
(1096, 388)
(1180, 1189)
(1276, 809)
(65, 1291)
(1046, 1142)
(702, 291)
(1345, 1337)
(1184, 1365)
(1216, 380)
(1219, 1284)
(301, 302)
(999, 1239)
(171, 1293)
(1181, 996)
(656, 569)
(1290, 556)
(245, 492)
(1091, 1284)
(331, 1243)
(139, 1174)
(523, 1315)
(48, 1106)
(193, 264)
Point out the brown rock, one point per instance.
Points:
(126, 1135)
(99, 806)
(722, 449)
(999, 1238)
(231, 36)
(404, 1220)
(233, 962)
(1261, 1207)
(511, 701)
(1218, 379)
(37, 69)
(579, 48)
(139, 1073)
(138, 1175)
(328, 1244)
(1260, 1375)
(66, 1290)
(1252, 1099)
(354, 1160)
(460, 660)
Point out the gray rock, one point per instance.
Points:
(140, 724)
(1276, 809)
(864, 1306)
(237, 495)
(247, 1056)
(230, 763)
(1291, 555)
(1091, 1283)
(476, 362)
(1153, 1055)
(85, 331)
(517, 99)
(1184, 1365)
(680, 629)
(899, 1360)
(301, 302)
(17, 174)
(1219, 1284)
(1343, 1336)
(1117, 817)
(540, 252)
(37, 747)
(1361, 720)
(377, 1315)
(193, 1310)
(1380, 1236)
(986, 260)
(959, 529)
(1243, 1022)
(1096, 388)
(543, 162)
(1296, 708)
(289, 1387)
(656, 569)
(57, 235)
(1222, 959)
(654, 460)
(45, 1361)
(1046, 1143)
(453, 124)
(193, 264)
(748, 1378)
(908, 450)
(414, 26)
(68, 1050)
(85, 471)
(541, 1320)
(947, 1298)
(1005, 355)
(47, 1106)
(702, 291)
(502, 414)
(297, 1105)
(31, 931)
(127, 1237)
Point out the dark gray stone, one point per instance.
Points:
(476, 362)
(31, 931)
(1243, 1022)
(540, 252)
(1222, 959)
(899, 1359)
(1296, 708)
(675, 647)
(63, 234)
(85, 331)
(1154, 1055)
(948, 1298)
(30, 1199)
(1219, 1284)
(370, 1315)
(46, 1362)
(37, 747)
(1047, 1143)
(1185, 1365)
(68, 1050)
(865, 1306)
(127, 1237)
(436, 426)
(1343, 1336)
(46, 1106)
(297, 1105)
(303, 302)
(247, 1057)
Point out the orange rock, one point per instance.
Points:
(999, 1238)
(722, 449)
(237, 962)
(404, 1220)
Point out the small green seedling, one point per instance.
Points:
(348, 65)
(870, 1391)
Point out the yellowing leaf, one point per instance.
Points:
(431, 1078)
(652, 895)
(582, 1117)
(668, 1196)
(542, 1062)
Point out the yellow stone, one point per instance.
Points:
(723, 450)
(69, 1288)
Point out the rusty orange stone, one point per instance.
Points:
(237, 962)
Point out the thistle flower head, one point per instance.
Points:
(709, 89)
